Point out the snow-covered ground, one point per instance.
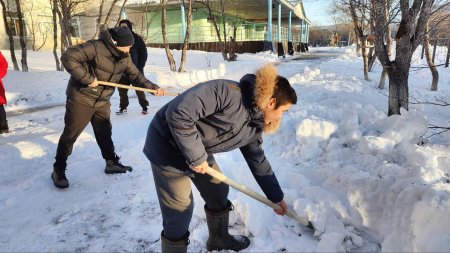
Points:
(359, 176)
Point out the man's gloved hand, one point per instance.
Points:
(94, 83)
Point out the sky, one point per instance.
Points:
(317, 12)
(359, 176)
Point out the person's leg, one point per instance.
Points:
(217, 209)
(76, 118)
(123, 94)
(3, 122)
(176, 203)
(142, 100)
(101, 124)
(214, 192)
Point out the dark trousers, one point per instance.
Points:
(76, 119)
(175, 196)
(123, 94)
(3, 122)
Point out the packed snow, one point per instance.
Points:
(367, 182)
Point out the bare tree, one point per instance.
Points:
(55, 35)
(10, 36)
(23, 44)
(431, 65)
(440, 14)
(66, 35)
(410, 33)
(186, 38)
(99, 18)
(360, 12)
(108, 15)
(219, 7)
(173, 66)
(391, 14)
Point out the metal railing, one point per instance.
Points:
(207, 33)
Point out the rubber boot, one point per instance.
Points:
(168, 246)
(219, 238)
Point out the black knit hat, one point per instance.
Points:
(122, 36)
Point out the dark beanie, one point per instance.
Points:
(122, 36)
(127, 22)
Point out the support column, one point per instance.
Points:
(183, 23)
(302, 36)
(307, 37)
(290, 46)
(280, 42)
(268, 43)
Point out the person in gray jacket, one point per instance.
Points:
(105, 59)
(213, 117)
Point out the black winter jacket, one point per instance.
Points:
(212, 117)
(102, 60)
(138, 52)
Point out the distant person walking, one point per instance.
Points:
(105, 59)
(139, 56)
(3, 122)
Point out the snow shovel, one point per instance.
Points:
(221, 177)
(134, 88)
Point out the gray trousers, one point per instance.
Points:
(176, 200)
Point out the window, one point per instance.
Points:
(13, 23)
(75, 27)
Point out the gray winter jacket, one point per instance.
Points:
(212, 117)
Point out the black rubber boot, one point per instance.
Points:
(59, 178)
(219, 238)
(115, 166)
(4, 127)
(168, 246)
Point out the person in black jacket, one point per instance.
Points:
(138, 53)
(105, 59)
(213, 117)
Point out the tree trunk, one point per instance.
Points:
(10, 37)
(384, 73)
(55, 35)
(224, 24)
(121, 10)
(62, 37)
(65, 23)
(431, 65)
(371, 59)
(186, 38)
(365, 58)
(398, 88)
(99, 19)
(109, 13)
(173, 66)
(216, 27)
(23, 44)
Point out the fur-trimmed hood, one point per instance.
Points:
(257, 89)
